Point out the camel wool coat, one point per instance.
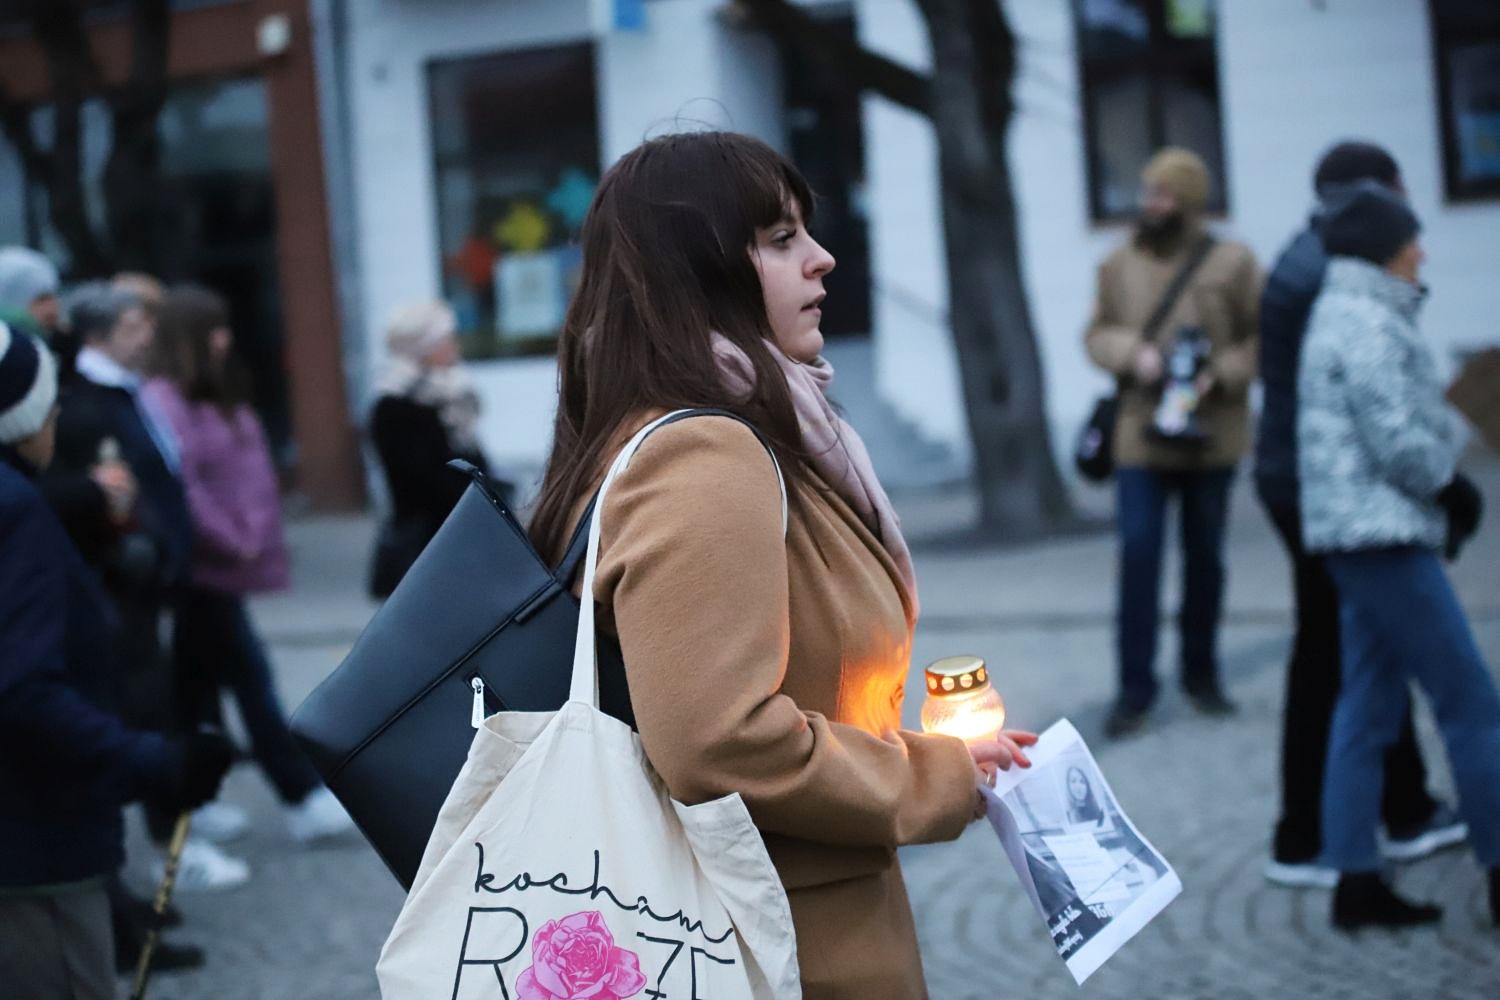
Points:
(1223, 299)
(777, 669)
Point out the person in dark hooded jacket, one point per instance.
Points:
(67, 764)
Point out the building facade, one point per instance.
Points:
(242, 198)
(476, 131)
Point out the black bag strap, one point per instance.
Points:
(1179, 283)
(578, 545)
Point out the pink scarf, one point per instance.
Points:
(836, 451)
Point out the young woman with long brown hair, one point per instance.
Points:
(763, 663)
(233, 501)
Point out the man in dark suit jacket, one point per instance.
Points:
(114, 485)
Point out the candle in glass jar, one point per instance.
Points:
(960, 700)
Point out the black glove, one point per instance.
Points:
(1464, 505)
(202, 758)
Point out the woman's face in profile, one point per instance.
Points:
(792, 265)
(1078, 785)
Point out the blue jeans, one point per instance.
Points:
(1141, 509)
(1400, 622)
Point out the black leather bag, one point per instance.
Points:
(390, 729)
(397, 545)
(1094, 449)
(1094, 452)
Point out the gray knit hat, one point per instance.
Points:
(25, 276)
(28, 385)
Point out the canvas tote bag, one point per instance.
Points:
(560, 868)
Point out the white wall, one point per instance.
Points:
(1298, 79)
(916, 365)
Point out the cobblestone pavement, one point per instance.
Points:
(310, 923)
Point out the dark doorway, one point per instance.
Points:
(826, 141)
(220, 203)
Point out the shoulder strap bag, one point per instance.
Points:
(479, 624)
(1094, 451)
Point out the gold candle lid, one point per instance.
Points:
(956, 675)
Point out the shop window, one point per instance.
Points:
(216, 223)
(1466, 52)
(516, 147)
(1150, 78)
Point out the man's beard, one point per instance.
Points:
(1160, 234)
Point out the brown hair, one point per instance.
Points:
(666, 262)
(182, 353)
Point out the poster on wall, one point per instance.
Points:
(529, 293)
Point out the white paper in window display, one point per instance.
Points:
(1090, 875)
(529, 293)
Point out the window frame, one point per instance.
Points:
(1159, 59)
(440, 160)
(1444, 35)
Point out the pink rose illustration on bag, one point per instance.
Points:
(575, 958)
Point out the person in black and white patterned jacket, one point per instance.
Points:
(1381, 497)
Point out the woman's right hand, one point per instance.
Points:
(999, 753)
(991, 756)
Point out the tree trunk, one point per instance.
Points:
(969, 102)
(1020, 489)
(70, 68)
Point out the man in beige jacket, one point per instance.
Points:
(1220, 302)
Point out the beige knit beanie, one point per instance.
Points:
(1183, 173)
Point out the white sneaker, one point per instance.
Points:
(1305, 875)
(317, 817)
(220, 822)
(205, 868)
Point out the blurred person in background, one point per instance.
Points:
(116, 489)
(1219, 302)
(1415, 823)
(238, 549)
(1381, 497)
(67, 764)
(426, 414)
(29, 287)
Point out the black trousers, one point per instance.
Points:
(1312, 691)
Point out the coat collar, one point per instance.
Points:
(101, 369)
(1359, 277)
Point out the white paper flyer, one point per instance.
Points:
(1092, 877)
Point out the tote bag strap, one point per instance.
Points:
(585, 684)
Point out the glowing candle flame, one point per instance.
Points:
(960, 700)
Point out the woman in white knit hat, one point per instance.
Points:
(426, 414)
(67, 764)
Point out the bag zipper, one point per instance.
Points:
(485, 703)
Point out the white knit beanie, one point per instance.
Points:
(418, 328)
(28, 385)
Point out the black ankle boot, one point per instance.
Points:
(1363, 899)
